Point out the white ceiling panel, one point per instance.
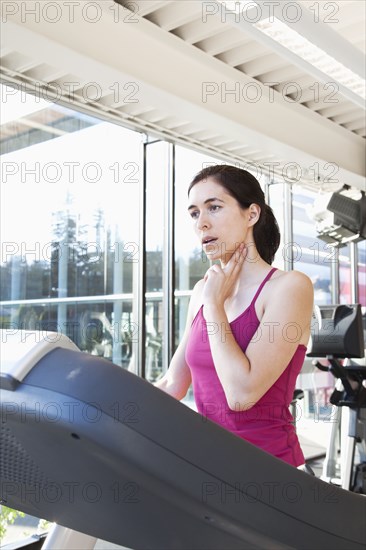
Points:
(184, 66)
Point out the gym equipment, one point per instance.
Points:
(338, 333)
(104, 453)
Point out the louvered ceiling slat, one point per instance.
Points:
(204, 135)
(196, 30)
(296, 86)
(176, 14)
(321, 103)
(256, 157)
(220, 141)
(239, 148)
(68, 80)
(134, 109)
(170, 122)
(222, 41)
(320, 96)
(153, 116)
(45, 73)
(262, 65)
(18, 62)
(178, 125)
(339, 108)
(243, 54)
(356, 124)
(324, 104)
(143, 7)
(348, 117)
(289, 73)
(189, 128)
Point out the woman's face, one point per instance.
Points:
(219, 222)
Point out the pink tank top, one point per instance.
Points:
(268, 424)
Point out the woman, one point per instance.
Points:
(248, 324)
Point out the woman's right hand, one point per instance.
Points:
(220, 281)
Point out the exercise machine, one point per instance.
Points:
(338, 335)
(105, 454)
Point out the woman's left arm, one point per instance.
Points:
(246, 377)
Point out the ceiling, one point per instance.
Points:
(198, 74)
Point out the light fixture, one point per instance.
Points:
(293, 41)
(260, 17)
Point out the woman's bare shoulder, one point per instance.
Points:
(290, 287)
(196, 302)
(197, 289)
(296, 280)
(286, 284)
(198, 286)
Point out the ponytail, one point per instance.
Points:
(267, 234)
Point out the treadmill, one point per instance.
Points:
(105, 454)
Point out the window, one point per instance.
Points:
(311, 255)
(361, 253)
(69, 226)
(276, 202)
(345, 285)
(157, 162)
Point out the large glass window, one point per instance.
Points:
(69, 225)
(311, 255)
(276, 202)
(345, 283)
(70, 221)
(361, 253)
(157, 174)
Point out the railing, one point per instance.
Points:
(102, 325)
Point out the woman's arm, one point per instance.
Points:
(177, 380)
(246, 377)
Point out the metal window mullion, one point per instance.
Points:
(140, 274)
(168, 261)
(353, 256)
(288, 227)
(334, 277)
(266, 189)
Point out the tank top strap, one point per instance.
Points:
(268, 276)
